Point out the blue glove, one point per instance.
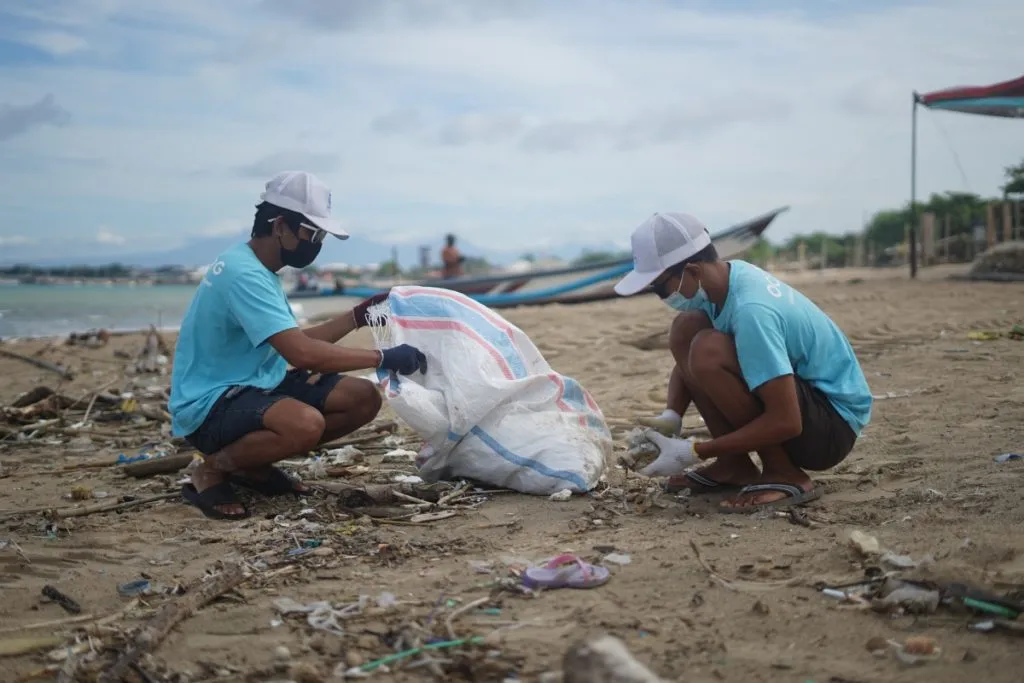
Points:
(403, 359)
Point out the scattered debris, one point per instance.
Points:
(561, 496)
(864, 544)
(64, 601)
(604, 659)
(63, 372)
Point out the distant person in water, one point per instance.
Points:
(451, 259)
(232, 394)
(765, 367)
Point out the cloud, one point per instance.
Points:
(16, 120)
(106, 237)
(223, 228)
(57, 43)
(265, 167)
(360, 14)
(511, 123)
(15, 240)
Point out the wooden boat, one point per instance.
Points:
(580, 284)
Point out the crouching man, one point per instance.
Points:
(232, 394)
(766, 368)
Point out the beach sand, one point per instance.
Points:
(922, 480)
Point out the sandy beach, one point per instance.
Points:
(922, 480)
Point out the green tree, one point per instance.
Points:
(1014, 180)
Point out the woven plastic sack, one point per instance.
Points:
(489, 408)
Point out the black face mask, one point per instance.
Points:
(302, 255)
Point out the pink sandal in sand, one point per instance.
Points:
(566, 571)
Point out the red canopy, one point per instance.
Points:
(1001, 99)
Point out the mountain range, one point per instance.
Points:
(354, 251)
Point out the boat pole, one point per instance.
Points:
(913, 187)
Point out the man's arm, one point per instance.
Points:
(337, 328)
(306, 352)
(780, 422)
(759, 335)
(334, 329)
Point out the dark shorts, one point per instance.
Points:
(240, 409)
(826, 438)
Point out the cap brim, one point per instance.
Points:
(634, 283)
(328, 225)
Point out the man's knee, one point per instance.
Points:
(710, 351)
(355, 396)
(369, 400)
(684, 328)
(303, 427)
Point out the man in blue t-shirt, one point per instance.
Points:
(232, 394)
(765, 367)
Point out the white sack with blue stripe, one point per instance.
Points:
(489, 408)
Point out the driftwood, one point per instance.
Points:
(31, 396)
(170, 615)
(604, 659)
(111, 507)
(67, 512)
(39, 363)
(168, 464)
(385, 494)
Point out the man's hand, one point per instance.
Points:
(360, 310)
(674, 456)
(404, 360)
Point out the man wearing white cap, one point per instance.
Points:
(232, 395)
(765, 367)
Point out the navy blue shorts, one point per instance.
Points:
(240, 409)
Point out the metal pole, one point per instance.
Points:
(913, 189)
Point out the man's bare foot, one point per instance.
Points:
(727, 473)
(754, 499)
(204, 477)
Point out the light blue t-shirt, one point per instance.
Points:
(778, 331)
(222, 342)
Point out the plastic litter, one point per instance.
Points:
(561, 496)
(133, 588)
(1007, 457)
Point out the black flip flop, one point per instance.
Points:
(699, 485)
(277, 484)
(794, 496)
(208, 500)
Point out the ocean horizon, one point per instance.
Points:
(58, 310)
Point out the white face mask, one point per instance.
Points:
(677, 301)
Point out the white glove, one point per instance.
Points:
(674, 455)
(668, 423)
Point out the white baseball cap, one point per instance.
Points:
(660, 242)
(304, 193)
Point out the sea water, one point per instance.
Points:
(57, 310)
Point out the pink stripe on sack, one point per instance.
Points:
(461, 299)
(421, 324)
(560, 401)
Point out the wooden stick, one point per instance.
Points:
(354, 440)
(34, 395)
(39, 363)
(462, 610)
(67, 512)
(110, 507)
(95, 395)
(168, 464)
(170, 615)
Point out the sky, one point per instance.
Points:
(138, 126)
